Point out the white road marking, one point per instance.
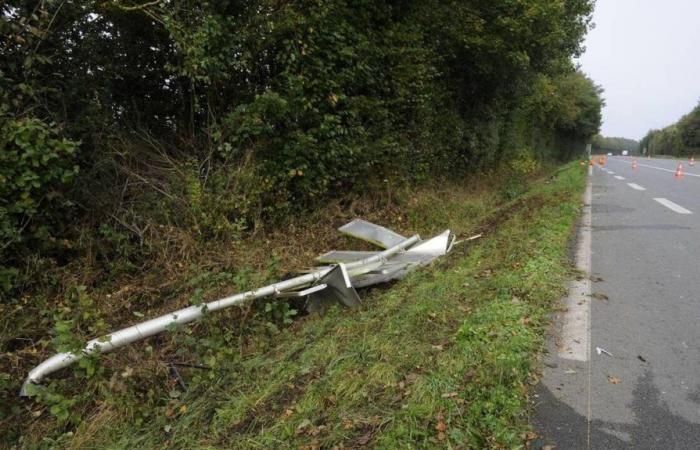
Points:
(576, 328)
(611, 172)
(619, 177)
(673, 206)
(664, 169)
(636, 187)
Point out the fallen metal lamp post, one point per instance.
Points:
(336, 282)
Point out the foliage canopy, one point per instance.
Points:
(617, 145)
(225, 116)
(679, 139)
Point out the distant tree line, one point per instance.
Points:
(616, 145)
(121, 118)
(679, 139)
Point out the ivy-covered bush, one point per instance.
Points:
(35, 162)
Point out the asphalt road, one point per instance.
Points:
(640, 303)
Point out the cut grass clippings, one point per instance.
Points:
(444, 358)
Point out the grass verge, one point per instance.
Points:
(443, 358)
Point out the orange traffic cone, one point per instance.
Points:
(679, 172)
(692, 161)
(634, 165)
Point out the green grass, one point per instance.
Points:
(444, 358)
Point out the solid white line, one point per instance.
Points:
(672, 206)
(619, 177)
(576, 329)
(664, 169)
(636, 187)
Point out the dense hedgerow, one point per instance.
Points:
(220, 117)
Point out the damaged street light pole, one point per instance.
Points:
(151, 327)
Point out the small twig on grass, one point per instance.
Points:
(476, 236)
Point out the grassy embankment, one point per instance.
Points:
(444, 358)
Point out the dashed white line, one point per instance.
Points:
(618, 177)
(636, 187)
(673, 206)
(611, 172)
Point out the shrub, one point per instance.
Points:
(35, 162)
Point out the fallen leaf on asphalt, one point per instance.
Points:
(613, 380)
(600, 296)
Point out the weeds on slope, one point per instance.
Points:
(442, 358)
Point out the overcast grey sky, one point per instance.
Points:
(646, 55)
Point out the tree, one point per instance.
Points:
(275, 106)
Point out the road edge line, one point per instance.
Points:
(575, 331)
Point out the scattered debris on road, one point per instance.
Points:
(603, 351)
(613, 379)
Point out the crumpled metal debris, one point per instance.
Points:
(335, 282)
